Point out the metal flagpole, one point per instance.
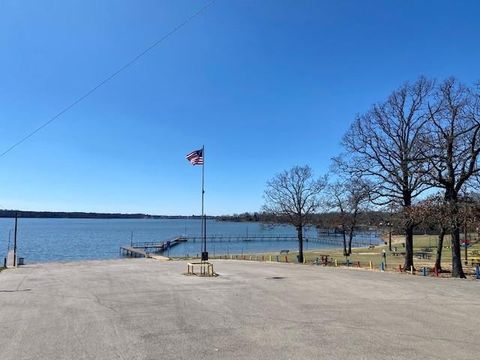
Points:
(204, 223)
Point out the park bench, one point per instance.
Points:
(284, 252)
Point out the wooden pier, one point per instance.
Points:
(149, 249)
(132, 252)
(331, 240)
(146, 249)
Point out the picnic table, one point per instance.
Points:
(475, 261)
(323, 259)
(423, 254)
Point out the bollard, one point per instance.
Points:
(270, 258)
(277, 258)
(286, 258)
(358, 263)
(477, 271)
(424, 271)
(336, 262)
(370, 265)
(435, 269)
(400, 268)
(382, 267)
(411, 269)
(304, 259)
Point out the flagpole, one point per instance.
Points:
(204, 224)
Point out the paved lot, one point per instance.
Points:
(146, 309)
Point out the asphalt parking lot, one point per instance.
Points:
(147, 309)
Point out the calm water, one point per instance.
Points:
(42, 240)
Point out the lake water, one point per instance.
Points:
(41, 240)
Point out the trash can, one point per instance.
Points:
(21, 261)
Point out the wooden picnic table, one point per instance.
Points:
(475, 261)
(423, 254)
(323, 259)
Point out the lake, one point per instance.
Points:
(43, 240)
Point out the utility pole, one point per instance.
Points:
(15, 242)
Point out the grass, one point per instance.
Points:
(374, 256)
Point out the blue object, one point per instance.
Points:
(477, 271)
(382, 266)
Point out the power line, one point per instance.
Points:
(106, 80)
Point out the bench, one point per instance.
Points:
(206, 268)
(284, 252)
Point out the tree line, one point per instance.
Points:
(414, 154)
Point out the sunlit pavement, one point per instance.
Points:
(147, 309)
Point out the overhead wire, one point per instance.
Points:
(109, 78)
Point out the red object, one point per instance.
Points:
(286, 258)
(196, 157)
(400, 268)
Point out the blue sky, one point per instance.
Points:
(265, 85)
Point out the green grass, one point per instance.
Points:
(365, 256)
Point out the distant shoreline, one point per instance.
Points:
(88, 215)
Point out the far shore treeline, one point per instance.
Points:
(87, 215)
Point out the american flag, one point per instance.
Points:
(196, 157)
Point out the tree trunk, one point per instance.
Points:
(452, 197)
(350, 238)
(344, 233)
(457, 269)
(300, 243)
(408, 247)
(438, 260)
(390, 238)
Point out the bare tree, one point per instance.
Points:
(385, 146)
(294, 194)
(453, 151)
(349, 198)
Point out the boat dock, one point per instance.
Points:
(150, 249)
(147, 249)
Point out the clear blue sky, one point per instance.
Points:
(263, 84)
